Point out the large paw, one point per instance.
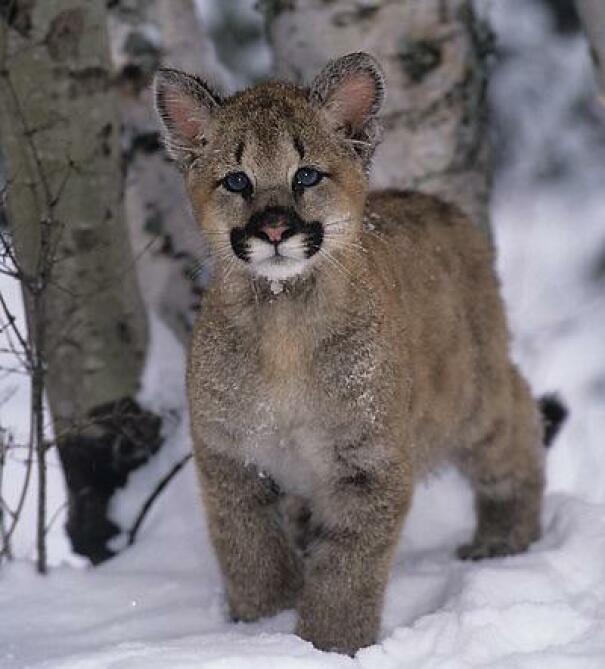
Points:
(336, 638)
(479, 549)
(256, 598)
(268, 604)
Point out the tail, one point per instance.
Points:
(554, 413)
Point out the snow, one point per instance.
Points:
(160, 603)
(276, 287)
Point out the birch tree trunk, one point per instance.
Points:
(433, 53)
(60, 128)
(592, 16)
(144, 35)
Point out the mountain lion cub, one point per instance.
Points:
(348, 344)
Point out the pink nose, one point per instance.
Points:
(274, 232)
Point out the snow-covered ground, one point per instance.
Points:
(160, 603)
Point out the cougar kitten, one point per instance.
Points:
(348, 344)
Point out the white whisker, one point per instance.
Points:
(336, 264)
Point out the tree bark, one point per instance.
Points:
(592, 16)
(86, 320)
(60, 75)
(146, 34)
(433, 53)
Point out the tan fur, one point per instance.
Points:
(315, 410)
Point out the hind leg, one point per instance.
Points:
(505, 468)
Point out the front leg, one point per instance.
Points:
(261, 570)
(357, 521)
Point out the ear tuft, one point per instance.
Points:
(185, 105)
(350, 90)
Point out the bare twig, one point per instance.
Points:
(34, 285)
(12, 370)
(55, 516)
(11, 322)
(162, 483)
(5, 549)
(16, 513)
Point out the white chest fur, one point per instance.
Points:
(286, 442)
(293, 451)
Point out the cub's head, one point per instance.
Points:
(277, 174)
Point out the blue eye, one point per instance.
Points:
(236, 182)
(306, 177)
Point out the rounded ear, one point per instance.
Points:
(350, 90)
(185, 105)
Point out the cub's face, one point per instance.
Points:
(276, 174)
(274, 191)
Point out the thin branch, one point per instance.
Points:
(162, 483)
(12, 323)
(35, 285)
(11, 273)
(21, 502)
(26, 133)
(3, 504)
(13, 370)
(5, 550)
(55, 516)
(8, 251)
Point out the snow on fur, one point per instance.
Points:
(160, 603)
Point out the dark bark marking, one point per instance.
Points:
(120, 437)
(346, 18)
(142, 52)
(444, 15)
(88, 81)
(124, 332)
(85, 239)
(598, 267)
(565, 15)
(106, 130)
(133, 79)
(64, 34)
(104, 136)
(419, 58)
(483, 42)
(273, 8)
(146, 143)
(154, 221)
(596, 59)
(18, 15)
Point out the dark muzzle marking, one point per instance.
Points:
(273, 218)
